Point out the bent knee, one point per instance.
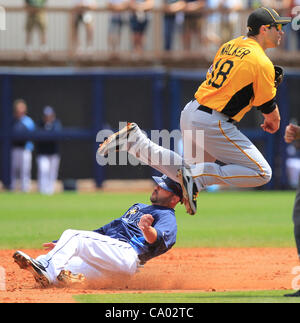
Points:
(70, 232)
(267, 174)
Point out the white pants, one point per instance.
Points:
(91, 254)
(244, 164)
(21, 163)
(48, 166)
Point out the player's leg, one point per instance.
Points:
(78, 266)
(244, 165)
(150, 153)
(139, 146)
(43, 165)
(100, 252)
(53, 172)
(25, 170)
(16, 161)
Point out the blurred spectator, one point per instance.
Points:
(139, 22)
(294, 32)
(211, 37)
(173, 17)
(220, 25)
(253, 4)
(48, 158)
(116, 23)
(192, 22)
(229, 18)
(36, 18)
(293, 164)
(21, 156)
(83, 15)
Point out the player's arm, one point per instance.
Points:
(265, 96)
(271, 121)
(149, 232)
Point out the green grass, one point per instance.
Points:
(276, 296)
(224, 219)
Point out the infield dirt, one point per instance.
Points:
(181, 269)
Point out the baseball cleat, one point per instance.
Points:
(65, 278)
(35, 267)
(116, 140)
(189, 190)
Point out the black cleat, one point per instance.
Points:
(189, 190)
(36, 268)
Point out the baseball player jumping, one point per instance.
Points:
(241, 76)
(121, 246)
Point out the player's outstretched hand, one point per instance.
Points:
(145, 222)
(149, 232)
(49, 245)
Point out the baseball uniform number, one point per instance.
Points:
(223, 72)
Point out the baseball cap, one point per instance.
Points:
(168, 184)
(265, 16)
(48, 111)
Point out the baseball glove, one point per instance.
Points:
(278, 75)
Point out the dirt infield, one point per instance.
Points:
(203, 269)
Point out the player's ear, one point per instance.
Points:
(176, 199)
(263, 29)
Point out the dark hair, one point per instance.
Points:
(252, 32)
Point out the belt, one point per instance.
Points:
(210, 111)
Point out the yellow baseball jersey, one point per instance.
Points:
(240, 77)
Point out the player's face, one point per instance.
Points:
(273, 36)
(161, 197)
(20, 110)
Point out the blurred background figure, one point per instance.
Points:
(293, 164)
(48, 158)
(192, 23)
(83, 15)
(21, 155)
(229, 18)
(222, 26)
(173, 17)
(296, 12)
(36, 18)
(138, 22)
(115, 24)
(293, 30)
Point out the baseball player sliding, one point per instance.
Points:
(121, 246)
(241, 76)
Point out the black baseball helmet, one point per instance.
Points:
(169, 185)
(265, 16)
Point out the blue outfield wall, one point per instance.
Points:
(163, 84)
